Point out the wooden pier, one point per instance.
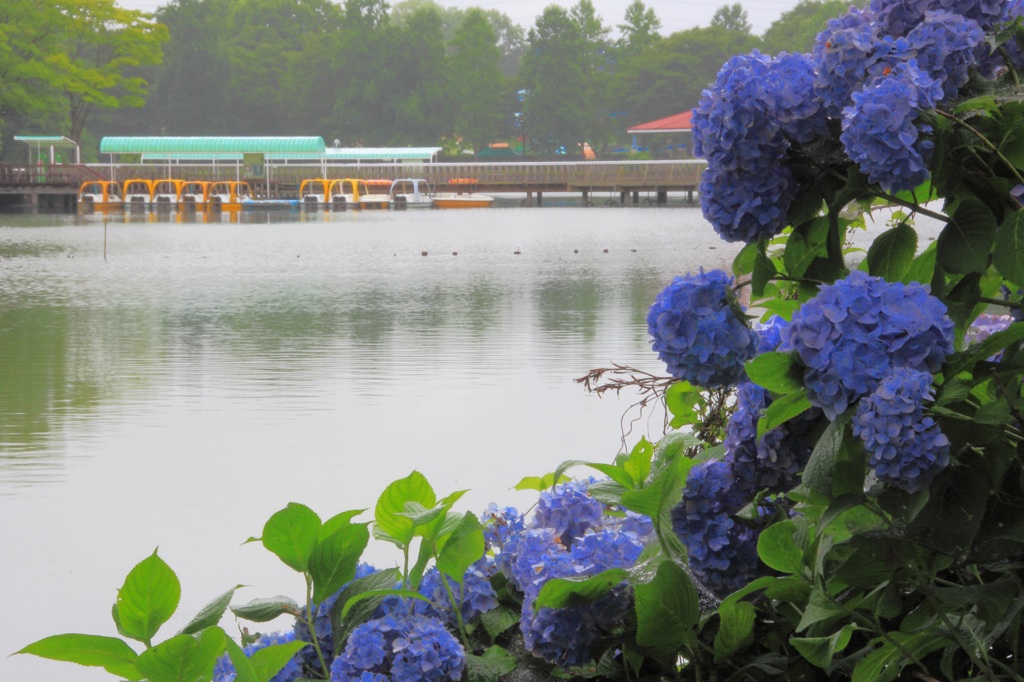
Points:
(621, 181)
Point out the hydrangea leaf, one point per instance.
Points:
(805, 244)
(1008, 254)
(743, 263)
(389, 514)
(559, 593)
(347, 616)
(830, 469)
(463, 547)
(334, 560)
(291, 535)
(210, 614)
(978, 352)
(966, 241)
(820, 651)
(266, 609)
(497, 621)
(541, 482)
(110, 653)
(183, 658)
(782, 410)
(147, 599)
(764, 270)
(269, 661)
(892, 253)
(735, 630)
(338, 521)
(489, 666)
(778, 372)
(667, 611)
(885, 663)
(777, 548)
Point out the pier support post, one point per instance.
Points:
(540, 199)
(622, 197)
(636, 198)
(662, 197)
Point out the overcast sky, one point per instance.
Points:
(675, 15)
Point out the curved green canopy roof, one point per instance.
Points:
(212, 145)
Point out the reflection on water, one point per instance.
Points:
(173, 378)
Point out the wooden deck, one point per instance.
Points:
(628, 178)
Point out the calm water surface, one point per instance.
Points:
(201, 375)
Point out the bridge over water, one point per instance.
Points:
(57, 184)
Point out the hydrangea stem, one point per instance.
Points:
(311, 622)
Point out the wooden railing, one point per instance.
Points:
(14, 176)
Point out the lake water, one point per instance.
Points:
(170, 382)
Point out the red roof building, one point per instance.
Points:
(677, 129)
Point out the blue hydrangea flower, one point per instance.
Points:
(406, 648)
(899, 17)
(475, 595)
(852, 333)
(698, 332)
(568, 510)
(224, 670)
(843, 53)
(880, 131)
(985, 326)
(769, 334)
(772, 461)
(906, 448)
(946, 46)
(322, 624)
(794, 107)
(744, 207)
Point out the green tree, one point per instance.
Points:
(190, 94)
(554, 78)
(731, 18)
(511, 41)
(419, 78)
(479, 88)
(361, 59)
(640, 29)
(101, 48)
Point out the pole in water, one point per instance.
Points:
(104, 240)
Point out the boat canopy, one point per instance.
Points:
(203, 147)
(384, 153)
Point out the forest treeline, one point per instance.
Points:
(363, 72)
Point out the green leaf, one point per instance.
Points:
(782, 410)
(490, 666)
(965, 242)
(464, 547)
(183, 658)
(560, 593)
(210, 614)
(1008, 253)
(662, 492)
(736, 628)
(359, 611)
(638, 464)
(498, 620)
(979, 352)
(819, 609)
(805, 245)
(540, 482)
(778, 550)
(743, 263)
(110, 653)
(266, 609)
(996, 412)
(820, 651)
(667, 611)
(831, 468)
(245, 671)
(268, 661)
(334, 559)
(764, 270)
(370, 594)
(390, 513)
(147, 599)
(291, 534)
(885, 663)
(778, 372)
(892, 253)
(922, 268)
(681, 400)
(339, 521)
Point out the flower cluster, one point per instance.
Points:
(856, 330)
(905, 446)
(871, 71)
(699, 332)
(322, 625)
(400, 648)
(474, 595)
(556, 544)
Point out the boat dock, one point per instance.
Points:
(622, 182)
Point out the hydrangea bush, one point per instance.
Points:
(854, 505)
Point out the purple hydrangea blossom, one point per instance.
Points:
(880, 131)
(568, 510)
(900, 17)
(475, 595)
(906, 448)
(855, 330)
(769, 334)
(843, 53)
(946, 46)
(795, 108)
(744, 207)
(698, 332)
(405, 648)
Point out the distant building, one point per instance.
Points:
(669, 138)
